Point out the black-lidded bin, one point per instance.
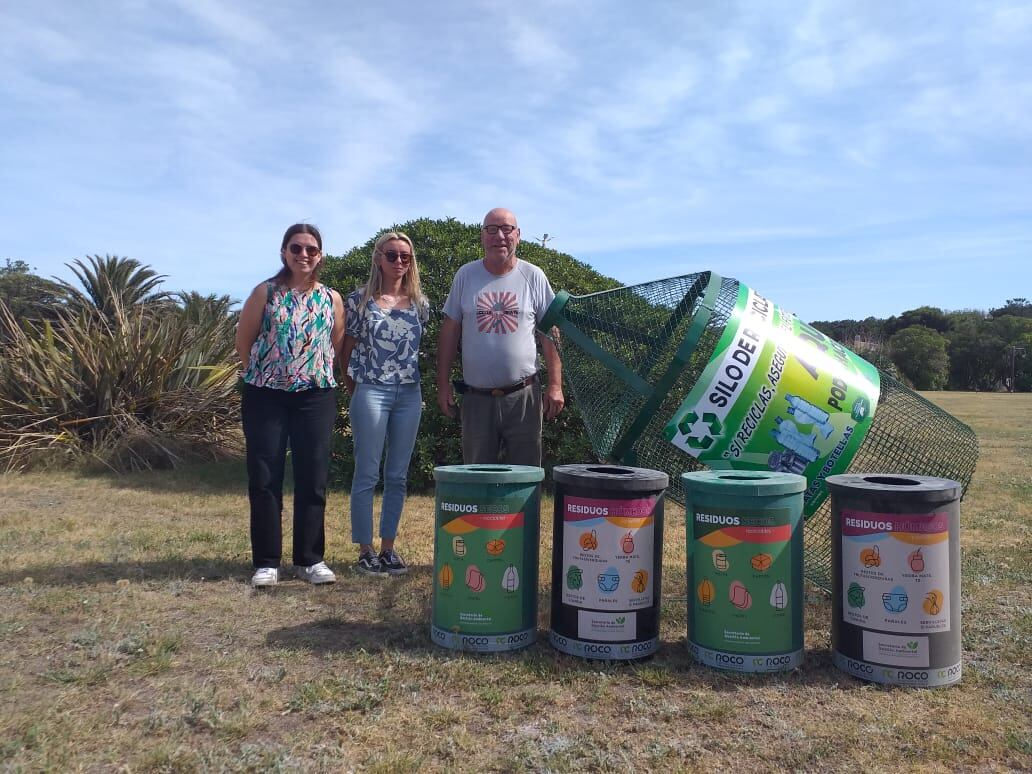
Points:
(896, 578)
(607, 561)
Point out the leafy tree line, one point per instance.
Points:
(934, 349)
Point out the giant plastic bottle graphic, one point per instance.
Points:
(789, 436)
(779, 596)
(809, 414)
(510, 578)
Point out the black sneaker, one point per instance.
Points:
(392, 563)
(369, 564)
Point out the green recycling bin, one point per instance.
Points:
(487, 525)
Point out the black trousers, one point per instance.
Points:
(272, 419)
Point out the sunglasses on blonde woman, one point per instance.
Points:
(394, 255)
(310, 250)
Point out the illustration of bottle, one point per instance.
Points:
(779, 596)
(789, 436)
(446, 576)
(809, 414)
(510, 578)
(706, 591)
(458, 546)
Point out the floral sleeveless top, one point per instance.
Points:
(294, 348)
(387, 348)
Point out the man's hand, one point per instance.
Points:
(554, 401)
(446, 401)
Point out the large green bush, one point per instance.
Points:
(442, 246)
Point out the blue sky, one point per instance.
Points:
(845, 159)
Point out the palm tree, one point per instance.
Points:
(112, 283)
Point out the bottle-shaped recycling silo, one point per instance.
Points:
(702, 371)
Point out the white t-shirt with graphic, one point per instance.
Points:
(498, 317)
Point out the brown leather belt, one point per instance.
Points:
(498, 392)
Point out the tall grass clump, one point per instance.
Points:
(132, 380)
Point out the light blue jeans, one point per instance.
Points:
(382, 415)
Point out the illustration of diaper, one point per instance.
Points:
(445, 577)
(789, 436)
(589, 541)
(761, 562)
(855, 595)
(627, 544)
(871, 557)
(458, 546)
(720, 560)
(475, 579)
(609, 581)
(779, 596)
(510, 578)
(895, 601)
(917, 563)
(809, 414)
(640, 582)
(740, 596)
(706, 592)
(574, 577)
(932, 602)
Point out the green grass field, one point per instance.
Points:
(131, 641)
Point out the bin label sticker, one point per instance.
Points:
(745, 582)
(896, 571)
(478, 586)
(895, 650)
(777, 394)
(608, 552)
(608, 627)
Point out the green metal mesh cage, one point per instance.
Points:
(631, 355)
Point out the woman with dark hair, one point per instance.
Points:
(290, 333)
(385, 325)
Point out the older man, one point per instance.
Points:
(494, 306)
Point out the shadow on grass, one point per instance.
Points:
(227, 476)
(90, 573)
(334, 635)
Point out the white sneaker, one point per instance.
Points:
(317, 574)
(265, 576)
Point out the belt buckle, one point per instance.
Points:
(497, 392)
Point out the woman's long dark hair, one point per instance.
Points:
(283, 275)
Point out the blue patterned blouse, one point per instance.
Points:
(387, 348)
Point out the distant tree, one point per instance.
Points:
(1016, 307)
(920, 353)
(28, 296)
(928, 316)
(110, 283)
(976, 352)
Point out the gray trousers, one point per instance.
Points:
(503, 429)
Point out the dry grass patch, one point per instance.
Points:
(131, 638)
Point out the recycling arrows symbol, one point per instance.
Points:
(705, 441)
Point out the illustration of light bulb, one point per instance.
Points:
(458, 546)
(510, 578)
(779, 596)
(788, 435)
(809, 414)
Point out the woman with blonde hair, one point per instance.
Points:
(385, 322)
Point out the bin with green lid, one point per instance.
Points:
(487, 523)
(745, 569)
